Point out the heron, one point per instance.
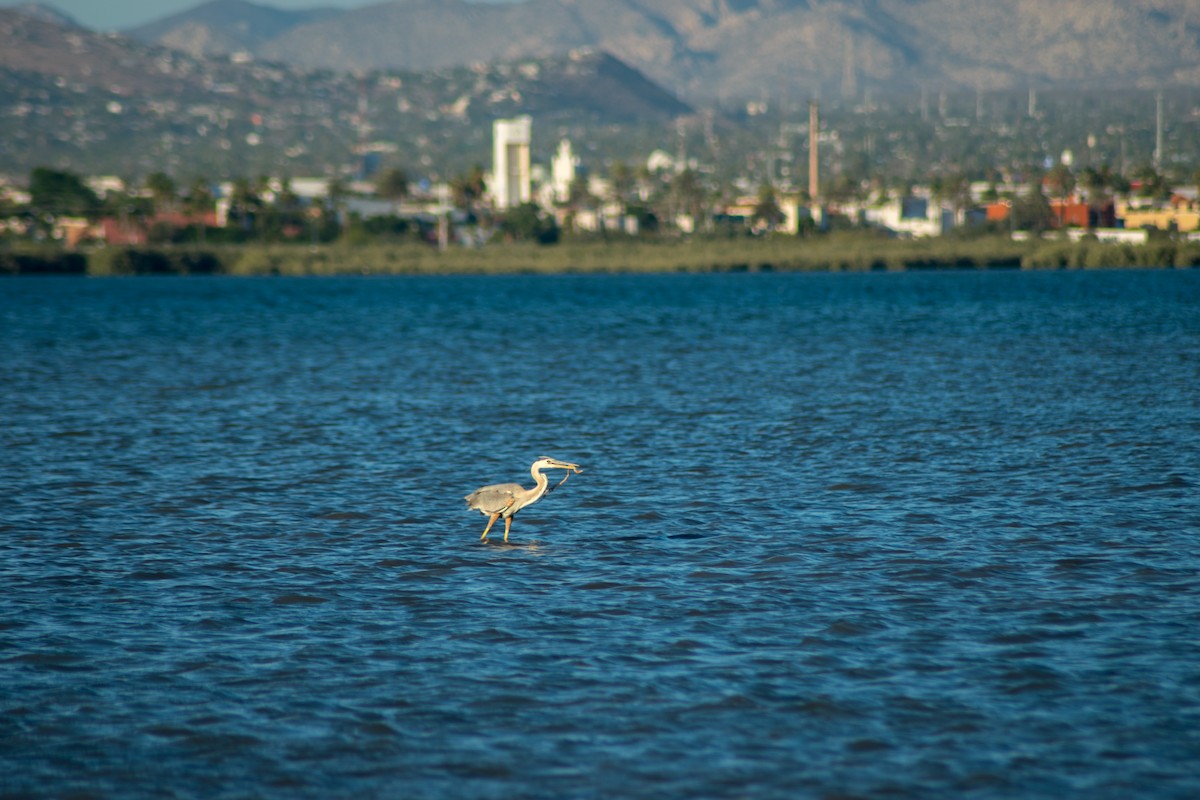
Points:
(506, 499)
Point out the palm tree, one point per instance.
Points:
(467, 189)
(392, 184)
(1154, 185)
(198, 203)
(766, 210)
(688, 195)
(199, 197)
(1061, 181)
(954, 190)
(245, 204)
(163, 192)
(1095, 183)
(1099, 185)
(1031, 211)
(61, 193)
(288, 212)
(335, 193)
(622, 179)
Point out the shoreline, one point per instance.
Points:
(833, 253)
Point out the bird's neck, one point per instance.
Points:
(541, 480)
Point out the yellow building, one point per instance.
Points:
(1183, 217)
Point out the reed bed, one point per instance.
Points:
(839, 252)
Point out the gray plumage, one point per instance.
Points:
(506, 499)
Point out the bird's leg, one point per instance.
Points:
(507, 525)
(491, 522)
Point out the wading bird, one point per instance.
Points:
(506, 499)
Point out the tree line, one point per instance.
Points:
(266, 211)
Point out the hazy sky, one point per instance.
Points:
(109, 15)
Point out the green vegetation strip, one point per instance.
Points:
(834, 253)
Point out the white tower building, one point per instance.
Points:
(510, 161)
(562, 171)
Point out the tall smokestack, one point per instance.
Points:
(813, 129)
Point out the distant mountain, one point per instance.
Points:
(103, 102)
(582, 81)
(704, 49)
(596, 84)
(37, 44)
(45, 13)
(227, 26)
(108, 104)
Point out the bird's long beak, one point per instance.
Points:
(568, 465)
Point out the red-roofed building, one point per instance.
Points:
(121, 232)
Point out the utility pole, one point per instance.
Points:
(1158, 131)
(443, 217)
(849, 70)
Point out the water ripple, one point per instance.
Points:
(838, 536)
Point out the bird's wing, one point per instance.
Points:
(494, 499)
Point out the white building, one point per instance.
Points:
(310, 188)
(1110, 235)
(510, 162)
(104, 185)
(660, 161)
(911, 216)
(563, 168)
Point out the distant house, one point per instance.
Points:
(72, 230)
(1110, 235)
(104, 185)
(739, 212)
(128, 231)
(180, 220)
(310, 188)
(369, 207)
(14, 194)
(660, 161)
(121, 232)
(998, 211)
(1070, 213)
(1181, 215)
(793, 212)
(609, 217)
(911, 216)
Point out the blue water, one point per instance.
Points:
(837, 536)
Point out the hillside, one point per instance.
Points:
(227, 26)
(41, 45)
(106, 103)
(45, 13)
(703, 49)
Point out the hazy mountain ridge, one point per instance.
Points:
(105, 102)
(739, 48)
(584, 80)
(41, 45)
(73, 96)
(45, 13)
(226, 26)
(603, 85)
